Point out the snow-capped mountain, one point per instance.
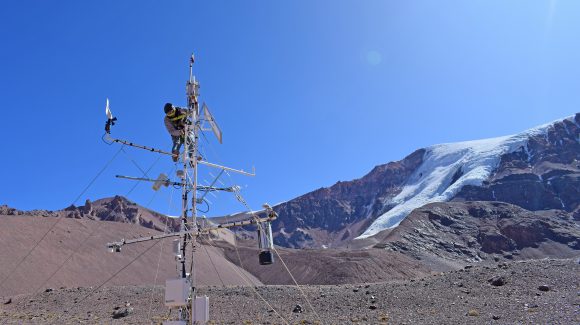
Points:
(537, 169)
(447, 168)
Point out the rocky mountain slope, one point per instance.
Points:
(451, 233)
(537, 169)
(117, 209)
(74, 254)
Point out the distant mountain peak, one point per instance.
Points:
(471, 162)
(536, 169)
(117, 209)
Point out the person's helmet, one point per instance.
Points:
(168, 108)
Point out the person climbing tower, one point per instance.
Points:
(175, 119)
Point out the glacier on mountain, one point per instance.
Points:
(447, 168)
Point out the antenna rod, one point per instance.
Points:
(191, 60)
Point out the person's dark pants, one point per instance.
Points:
(177, 142)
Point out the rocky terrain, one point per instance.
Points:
(444, 235)
(501, 251)
(331, 216)
(74, 254)
(118, 209)
(527, 292)
(542, 173)
(328, 266)
(545, 174)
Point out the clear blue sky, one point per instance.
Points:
(309, 92)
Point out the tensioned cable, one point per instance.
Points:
(242, 276)
(160, 254)
(131, 262)
(116, 273)
(60, 218)
(252, 213)
(86, 239)
(213, 264)
(135, 163)
(243, 201)
(138, 167)
(251, 285)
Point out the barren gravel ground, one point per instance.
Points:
(457, 297)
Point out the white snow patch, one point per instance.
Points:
(477, 160)
(527, 150)
(562, 203)
(566, 128)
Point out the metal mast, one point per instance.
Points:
(190, 158)
(180, 292)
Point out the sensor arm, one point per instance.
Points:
(116, 246)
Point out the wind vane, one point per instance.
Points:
(180, 292)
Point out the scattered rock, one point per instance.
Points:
(473, 312)
(372, 307)
(497, 281)
(8, 301)
(467, 267)
(495, 317)
(355, 290)
(544, 287)
(298, 309)
(48, 290)
(120, 313)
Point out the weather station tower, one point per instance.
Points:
(181, 291)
